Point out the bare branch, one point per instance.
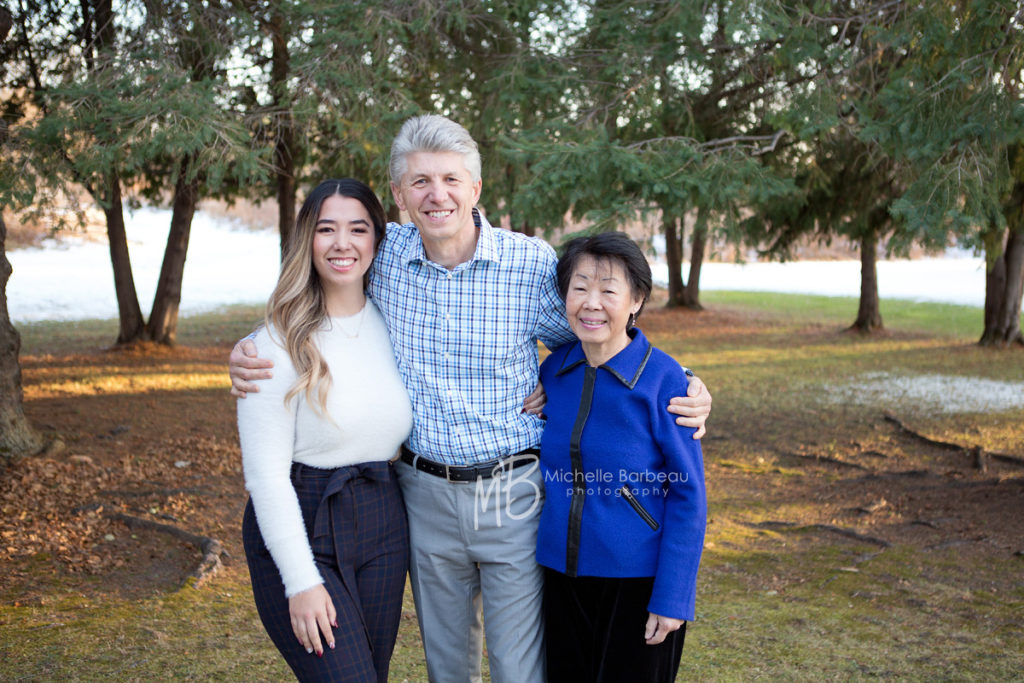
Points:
(743, 141)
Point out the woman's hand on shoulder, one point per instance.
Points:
(658, 627)
(312, 613)
(535, 402)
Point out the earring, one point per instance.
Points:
(630, 320)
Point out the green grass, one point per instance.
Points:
(795, 605)
(223, 326)
(206, 634)
(947, 320)
(898, 616)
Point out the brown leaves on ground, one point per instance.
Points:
(161, 452)
(150, 432)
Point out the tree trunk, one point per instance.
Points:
(1004, 279)
(869, 315)
(284, 160)
(1004, 289)
(284, 144)
(1013, 256)
(6, 22)
(17, 437)
(163, 320)
(673, 258)
(995, 285)
(132, 325)
(691, 294)
(1010, 328)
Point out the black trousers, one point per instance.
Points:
(594, 630)
(356, 523)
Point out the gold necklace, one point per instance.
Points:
(359, 325)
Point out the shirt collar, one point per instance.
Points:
(486, 244)
(626, 366)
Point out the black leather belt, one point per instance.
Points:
(466, 473)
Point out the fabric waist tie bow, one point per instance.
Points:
(337, 502)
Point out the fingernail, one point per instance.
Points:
(335, 625)
(309, 650)
(319, 653)
(330, 645)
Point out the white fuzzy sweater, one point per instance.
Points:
(371, 416)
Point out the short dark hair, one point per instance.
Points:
(616, 247)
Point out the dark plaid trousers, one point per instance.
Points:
(356, 523)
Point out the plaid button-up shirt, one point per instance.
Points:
(466, 339)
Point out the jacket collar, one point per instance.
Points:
(626, 366)
(486, 244)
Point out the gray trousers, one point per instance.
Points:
(473, 570)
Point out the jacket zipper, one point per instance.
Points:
(640, 510)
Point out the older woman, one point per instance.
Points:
(325, 530)
(622, 528)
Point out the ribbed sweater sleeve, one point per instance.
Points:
(266, 429)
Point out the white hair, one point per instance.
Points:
(432, 133)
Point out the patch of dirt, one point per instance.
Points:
(883, 486)
(171, 457)
(167, 457)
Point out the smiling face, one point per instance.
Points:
(439, 194)
(598, 304)
(342, 252)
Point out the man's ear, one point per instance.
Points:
(398, 197)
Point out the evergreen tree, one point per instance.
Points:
(956, 120)
(136, 100)
(673, 104)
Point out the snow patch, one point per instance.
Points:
(72, 280)
(946, 394)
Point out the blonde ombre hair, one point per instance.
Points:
(297, 307)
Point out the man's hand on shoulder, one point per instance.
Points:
(245, 368)
(694, 408)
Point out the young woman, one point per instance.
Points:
(325, 530)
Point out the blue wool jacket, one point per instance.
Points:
(624, 485)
